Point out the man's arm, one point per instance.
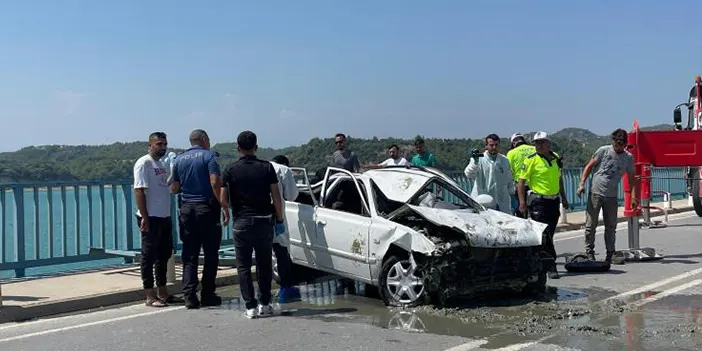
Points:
(141, 183)
(524, 175)
(594, 161)
(175, 180)
(356, 162)
(215, 179)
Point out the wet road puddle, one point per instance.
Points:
(569, 317)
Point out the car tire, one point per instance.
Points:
(406, 289)
(537, 287)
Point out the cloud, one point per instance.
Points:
(286, 114)
(67, 103)
(231, 102)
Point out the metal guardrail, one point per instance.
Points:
(50, 227)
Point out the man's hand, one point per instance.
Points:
(144, 227)
(634, 202)
(564, 201)
(581, 190)
(523, 208)
(225, 217)
(279, 228)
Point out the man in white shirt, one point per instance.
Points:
(288, 189)
(491, 174)
(394, 160)
(153, 198)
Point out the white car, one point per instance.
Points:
(388, 228)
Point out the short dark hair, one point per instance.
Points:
(393, 146)
(620, 135)
(340, 135)
(281, 160)
(418, 140)
(492, 137)
(247, 140)
(198, 136)
(157, 135)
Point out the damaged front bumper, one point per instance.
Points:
(466, 271)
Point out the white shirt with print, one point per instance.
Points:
(400, 161)
(152, 176)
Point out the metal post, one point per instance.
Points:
(633, 226)
(564, 215)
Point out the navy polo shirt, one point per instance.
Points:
(192, 170)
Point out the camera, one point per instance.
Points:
(476, 153)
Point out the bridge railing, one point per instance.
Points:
(47, 228)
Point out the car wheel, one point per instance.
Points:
(537, 287)
(400, 285)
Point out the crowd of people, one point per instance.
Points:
(527, 182)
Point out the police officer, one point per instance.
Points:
(520, 150)
(542, 170)
(196, 177)
(250, 184)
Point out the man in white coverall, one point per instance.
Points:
(491, 174)
(288, 189)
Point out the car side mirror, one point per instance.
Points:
(486, 200)
(677, 116)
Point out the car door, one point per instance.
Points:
(342, 230)
(299, 216)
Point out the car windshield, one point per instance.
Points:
(438, 193)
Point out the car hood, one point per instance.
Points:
(486, 229)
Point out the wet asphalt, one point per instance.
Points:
(655, 305)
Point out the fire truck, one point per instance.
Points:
(693, 174)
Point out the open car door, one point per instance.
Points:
(343, 223)
(299, 217)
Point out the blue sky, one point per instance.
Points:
(86, 72)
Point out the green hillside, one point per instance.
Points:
(114, 161)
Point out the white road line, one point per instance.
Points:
(104, 321)
(136, 307)
(471, 345)
(665, 293)
(655, 285)
(580, 233)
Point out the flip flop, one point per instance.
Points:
(155, 303)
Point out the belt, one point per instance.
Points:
(547, 197)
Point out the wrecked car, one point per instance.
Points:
(413, 233)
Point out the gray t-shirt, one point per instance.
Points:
(346, 159)
(610, 168)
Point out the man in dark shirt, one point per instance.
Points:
(343, 157)
(196, 177)
(250, 184)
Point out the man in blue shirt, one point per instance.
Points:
(196, 177)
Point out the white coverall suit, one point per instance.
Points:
(492, 177)
(288, 191)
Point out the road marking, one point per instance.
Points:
(655, 285)
(104, 321)
(471, 345)
(79, 314)
(580, 233)
(665, 293)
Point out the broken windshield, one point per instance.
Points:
(438, 193)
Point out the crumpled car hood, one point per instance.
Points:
(486, 229)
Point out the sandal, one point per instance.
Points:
(155, 303)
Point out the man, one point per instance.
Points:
(542, 170)
(609, 163)
(196, 177)
(492, 175)
(343, 157)
(154, 219)
(520, 150)
(288, 189)
(394, 160)
(250, 184)
(422, 158)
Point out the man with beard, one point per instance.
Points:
(491, 174)
(153, 216)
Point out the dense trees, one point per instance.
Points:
(115, 161)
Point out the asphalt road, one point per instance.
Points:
(638, 306)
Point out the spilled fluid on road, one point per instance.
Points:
(580, 319)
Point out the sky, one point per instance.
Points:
(95, 72)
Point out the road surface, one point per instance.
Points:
(641, 305)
